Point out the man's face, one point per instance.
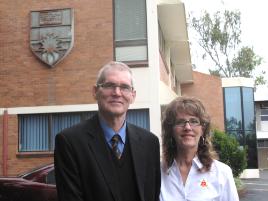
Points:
(113, 95)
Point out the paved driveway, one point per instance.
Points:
(256, 189)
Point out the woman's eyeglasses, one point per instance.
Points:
(192, 122)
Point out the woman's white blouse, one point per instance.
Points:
(215, 185)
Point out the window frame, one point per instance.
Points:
(50, 125)
(131, 42)
(139, 117)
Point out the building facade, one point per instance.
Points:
(261, 108)
(51, 52)
(208, 89)
(239, 115)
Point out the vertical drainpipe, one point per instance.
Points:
(5, 136)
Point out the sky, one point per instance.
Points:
(254, 26)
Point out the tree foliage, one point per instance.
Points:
(219, 36)
(230, 152)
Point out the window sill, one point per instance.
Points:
(35, 154)
(133, 64)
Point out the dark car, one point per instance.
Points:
(36, 185)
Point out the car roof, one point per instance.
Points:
(37, 171)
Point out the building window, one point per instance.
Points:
(264, 105)
(264, 114)
(263, 143)
(240, 119)
(233, 109)
(37, 131)
(248, 108)
(264, 117)
(130, 30)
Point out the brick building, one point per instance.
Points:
(37, 100)
(208, 89)
(28, 86)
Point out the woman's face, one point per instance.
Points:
(187, 131)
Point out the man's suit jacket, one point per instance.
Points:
(83, 163)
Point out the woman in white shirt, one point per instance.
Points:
(189, 167)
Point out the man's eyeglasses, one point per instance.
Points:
(192, 122)
(109, 86)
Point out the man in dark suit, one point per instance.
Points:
(93, 165)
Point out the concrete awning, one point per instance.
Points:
(173, 25)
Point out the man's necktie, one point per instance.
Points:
(115, 140)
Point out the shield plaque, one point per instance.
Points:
(52, 34)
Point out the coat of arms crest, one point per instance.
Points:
(52, 34)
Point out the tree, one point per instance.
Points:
(219, 36)
(229, 151)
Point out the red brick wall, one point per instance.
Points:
(26, 81)
(18, 163)
(209, 90)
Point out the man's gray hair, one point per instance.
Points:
(113, 65)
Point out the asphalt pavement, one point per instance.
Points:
(256, 189)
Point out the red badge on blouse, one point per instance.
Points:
(203, 183)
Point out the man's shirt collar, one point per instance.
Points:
(109, 132)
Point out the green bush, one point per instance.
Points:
(230, 151)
